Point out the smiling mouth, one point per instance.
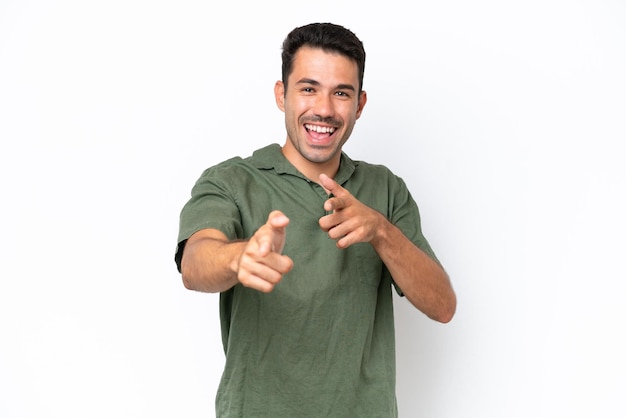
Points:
(320, 129)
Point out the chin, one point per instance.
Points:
(319, 159)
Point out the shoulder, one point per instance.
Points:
(227, 166)
(377, 174)
(371, 168)
(263, 158)
(221, 173)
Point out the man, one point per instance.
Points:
(305, 246)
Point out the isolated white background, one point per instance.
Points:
(506, 119)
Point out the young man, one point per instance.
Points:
(305, 246)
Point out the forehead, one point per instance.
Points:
(324, 67)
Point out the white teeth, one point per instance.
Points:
(320, 129)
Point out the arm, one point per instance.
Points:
(425, 284)
(212, 263)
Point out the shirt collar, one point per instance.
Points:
(271, 157)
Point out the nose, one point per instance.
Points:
(324, 106)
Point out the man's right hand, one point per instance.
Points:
(262, 264)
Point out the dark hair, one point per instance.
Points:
(327, 36)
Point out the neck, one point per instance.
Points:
(310, 169)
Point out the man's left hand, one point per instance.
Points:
(350, 221)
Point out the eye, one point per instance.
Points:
(342, 94)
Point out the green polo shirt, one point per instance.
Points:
(322, 344)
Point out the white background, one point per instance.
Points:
(506, 119)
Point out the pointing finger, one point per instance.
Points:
(271, 236)
(330, 184)
(277, 220)
(264, 242)
(339, 196)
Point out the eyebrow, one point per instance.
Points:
(317, 83)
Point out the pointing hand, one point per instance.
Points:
(350, 221)
(262, 264)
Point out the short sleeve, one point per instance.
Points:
(406, 216)
(212, 205)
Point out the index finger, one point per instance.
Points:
(331, 185)
(277, 220)
(264, 243)
(265, 236)
(338, 198)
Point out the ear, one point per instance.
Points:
(361, 105)
(279, 95)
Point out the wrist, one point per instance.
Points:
(382, 232)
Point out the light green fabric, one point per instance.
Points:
(322, 343)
